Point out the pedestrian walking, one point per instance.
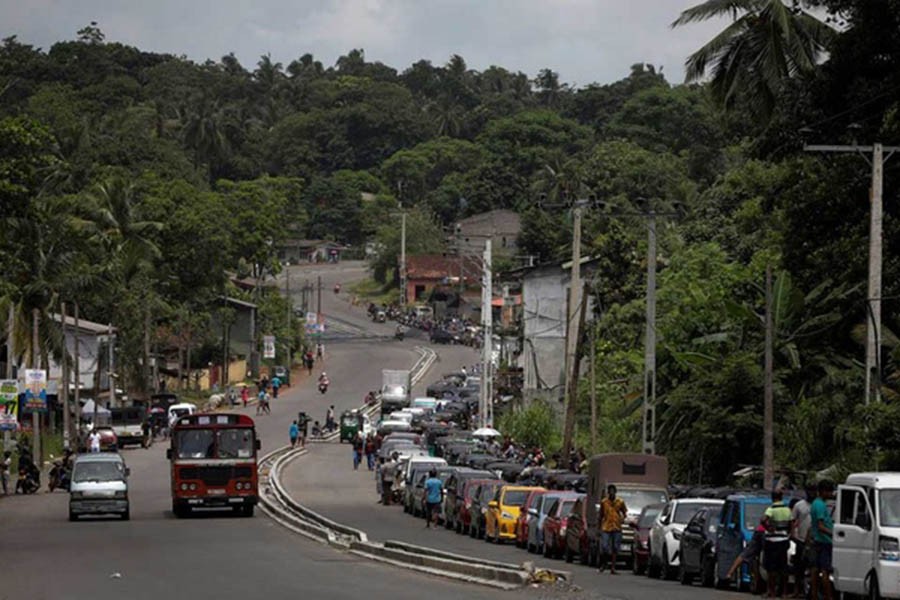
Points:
(267, 404)
(245, 395)
(822, 528)
(320, 351)
(358, 449)
(750, 555)
(294, 433)
(433, 495)
(612, 515)
(5, 466)
(304, 430)
(370, 452)
(309, 361)
(260, 400)
(264, 382)
(276, 385)
(777, 542)
(800, 528)
(329, 418)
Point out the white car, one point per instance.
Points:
(665, 535)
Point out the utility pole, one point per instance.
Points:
(35, 415)
(768, 391)
(403, 260)
(65, 381)
(876, 242)
(319, 298)
(593, 389)
(572, 334)
(77, 377)
(487, 376)
(10, 353)
(649, 421)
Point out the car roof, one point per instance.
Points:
(100, 457)
(707, 501)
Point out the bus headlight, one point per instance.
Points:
(192, 487)
(184, 487)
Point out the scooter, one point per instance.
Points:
(400, 334)
(29, 482)
(323, 386)
(59, 476)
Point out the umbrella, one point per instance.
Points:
(486, 432)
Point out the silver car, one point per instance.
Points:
(99, 486)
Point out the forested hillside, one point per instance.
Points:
(133, 181)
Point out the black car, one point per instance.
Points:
(442, 336)
(698, 547)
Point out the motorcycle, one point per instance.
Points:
(323, 386)
(400, 334)
(29, 481)
(59, 476)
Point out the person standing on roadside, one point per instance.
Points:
(370, 452)
(387, 478)
(294, 433)
(320, 351)
(245, 395)
(329, 418)
(276, 385)
(358, 448)
(800, 527)
(612, 515)
(822, 527)
(777, 542)
(434, 494)
(5, 466)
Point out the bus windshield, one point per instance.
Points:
(235, 443)
(194, 443)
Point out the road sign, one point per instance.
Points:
(9, 405)
(35, 390)
(268, 346)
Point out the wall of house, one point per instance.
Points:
(503, 227)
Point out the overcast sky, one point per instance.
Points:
(583, 40)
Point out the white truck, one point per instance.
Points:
(866, 538)
(395, 390)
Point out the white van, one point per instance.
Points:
(866, 539)
(421, 461)
(176, 411)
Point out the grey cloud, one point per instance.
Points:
(584, 40)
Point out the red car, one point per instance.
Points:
(576, 533)
(555, 524)
(525, 516)
(464, 514)
(642, 528)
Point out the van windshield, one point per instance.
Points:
(889, 507)
(636, 500)
(98, 471)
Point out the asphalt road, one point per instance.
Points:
(216, 555)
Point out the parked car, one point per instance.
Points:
(525, 516)
(555, 524)
(642, 537)
(417, 494)
(503, 511)
(454, 501)
(99, 485)
(479, 507)
(442, 336)
(665, 535)
(740, 515)
(697, 552)
(535, 542)
(576, 533)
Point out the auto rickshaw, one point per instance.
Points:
(350, 425)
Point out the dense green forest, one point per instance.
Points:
(134, 181)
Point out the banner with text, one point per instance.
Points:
(268, 346)
(9, 404)
(35, 390)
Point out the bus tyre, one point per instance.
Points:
(179, 511)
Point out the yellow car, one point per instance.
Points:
(503, 512)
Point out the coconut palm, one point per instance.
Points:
(766, 43)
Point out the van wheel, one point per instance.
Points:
(72, 516)
(874, 592)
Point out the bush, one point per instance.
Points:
(532, 426)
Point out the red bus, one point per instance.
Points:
(213, 463)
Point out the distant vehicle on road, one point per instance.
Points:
(213, 463)
(179, 410)
(128, 423)
(99, 486)
(283, 374)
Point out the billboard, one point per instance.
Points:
(35, 390)
(9, 404)
(268, 346)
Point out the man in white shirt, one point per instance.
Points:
(94, 440)
(800, 526)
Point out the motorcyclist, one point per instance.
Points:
(323, 378)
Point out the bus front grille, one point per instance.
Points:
(216, 476)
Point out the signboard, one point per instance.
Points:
(9, 404)
(315, 324)
(35, 390)
(311, 318)
(268, 346)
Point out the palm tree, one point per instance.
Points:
(204, 132)
(767, 42)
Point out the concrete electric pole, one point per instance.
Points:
(572, 335)
(649, 420)
(876, 242)
(487, 375)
